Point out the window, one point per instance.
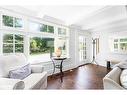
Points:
(62, 44)
(40, 48)
(120, 45)
(10, 21)
(13, 43)
(116, 44)
(18, 23)
(50, 29)
(41, 45)
(61, 31)
(33, 26)
(42, 41)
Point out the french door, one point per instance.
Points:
(82, 49)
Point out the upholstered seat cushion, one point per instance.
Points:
(123, 78)
(35, 80)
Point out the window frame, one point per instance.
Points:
(27, 33)
(119, 50)
(13, 28)
(13, 42)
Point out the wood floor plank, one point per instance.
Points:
(85, 77)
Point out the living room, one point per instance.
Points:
(67, 47)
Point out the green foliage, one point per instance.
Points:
(12, 21)
(50, 29)
(40, 45)
(9, 43)
(18, 22)
(8, 21)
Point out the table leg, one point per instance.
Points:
(61, 71)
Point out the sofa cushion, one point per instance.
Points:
(20, 73)
(123, 78)
(11, 62)
(35, 80)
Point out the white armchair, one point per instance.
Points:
(36, 80)
(112, 79)
(6, 83)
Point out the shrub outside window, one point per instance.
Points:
(13, 43)
(40, 45)
(10, 21)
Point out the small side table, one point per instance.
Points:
(60, 67)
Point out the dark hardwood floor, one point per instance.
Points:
(85, 77)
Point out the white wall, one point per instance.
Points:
(105, 52)
(74, 44)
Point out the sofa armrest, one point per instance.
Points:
(110, 84)
(112, 79)
(37, 68)
(7, 83)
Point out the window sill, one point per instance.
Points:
(35, 62)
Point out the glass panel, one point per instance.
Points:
(7, 48)
(43, 28)
(8, 38)
(115, 40)
(19, 48)
(18, 39)
(123, 46)
(8, 21)
(50, 29)
(34, 26)
(61, 31)
(123, 40)
(18, 23)
(115, 46)
(61, 43)
(82, 48)
(41, 45)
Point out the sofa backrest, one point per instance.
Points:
(11, 62)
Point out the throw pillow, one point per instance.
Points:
(123, 78)
(20, 73)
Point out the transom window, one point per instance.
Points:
(33, 26)
(10, 21)
(61, 31)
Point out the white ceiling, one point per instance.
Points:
(92, 18)
(69, 14)
(110, 19)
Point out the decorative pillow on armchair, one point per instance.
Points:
(20, 73)
(123, 78)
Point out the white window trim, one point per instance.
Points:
(26, 33)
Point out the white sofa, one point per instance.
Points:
(36, 80)
(112, 79)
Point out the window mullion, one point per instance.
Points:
(13, 43)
